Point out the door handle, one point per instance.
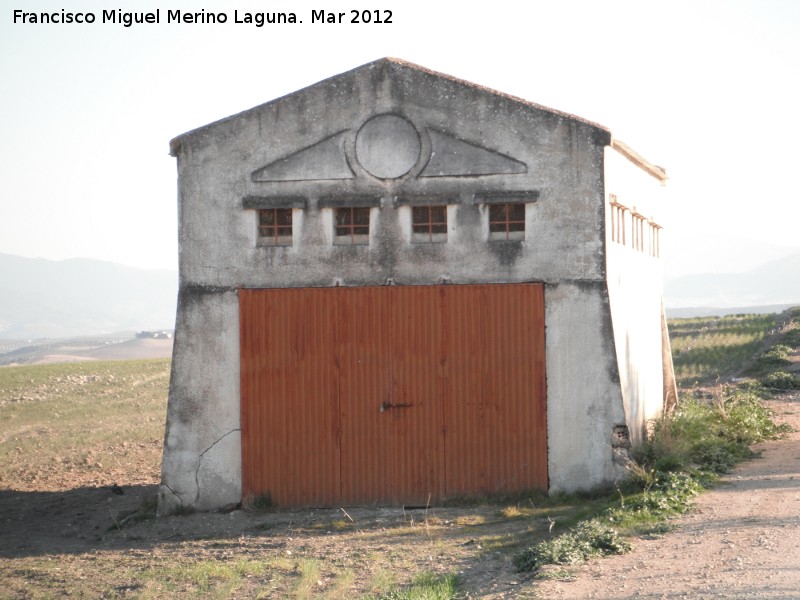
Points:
(387, 405)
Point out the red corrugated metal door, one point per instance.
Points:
(494, 388)
(289, 396)
(392, 394)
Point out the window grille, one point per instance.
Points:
(507, 221)
(429, 223)
(352, 225)
(275, 226)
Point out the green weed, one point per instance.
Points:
(781, 381)
(776, 357)
(209, 578)
(309, 571)
(645, 509)
(587, 539)
(555, 575)
(791, 336)
(683, 453)
(426, 586)
(711, 435)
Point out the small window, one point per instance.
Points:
(507, 221)
(352, 225)
(429, 224)
(618, 219)
(275, 226)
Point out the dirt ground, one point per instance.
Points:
(70, 538)
(741, 541)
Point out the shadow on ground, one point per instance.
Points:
(69, 521)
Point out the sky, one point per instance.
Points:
(709, 90)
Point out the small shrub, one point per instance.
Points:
(781, 350)
(792, 338)
(774, 358)
(710, 434)
(670, 493)
(749, 421)
(781, 380)
(587, 539)
(718, 456)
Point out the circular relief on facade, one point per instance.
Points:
(387, 146)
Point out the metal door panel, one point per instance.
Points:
(289, 398)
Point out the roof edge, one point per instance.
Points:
(640, 161)
(492, 91)
(175, 143)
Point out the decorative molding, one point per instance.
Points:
(388, 146)
(257, 202)
(454, 157)
(503, 197)
(357, 201)
(427, 200)
(325, 159)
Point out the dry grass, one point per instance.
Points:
(69, 431)
(71, 425)
(705, 349)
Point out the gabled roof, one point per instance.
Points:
(395, 63)
(488, 90)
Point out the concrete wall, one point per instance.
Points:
(562, 159)
(201, 466)
(635, 289)
(327, 144)
(584, 401)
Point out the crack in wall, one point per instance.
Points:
(171, 491)
(163, 508)
(200, 463)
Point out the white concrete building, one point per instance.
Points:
(397, 287)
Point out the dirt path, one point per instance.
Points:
(742, 541)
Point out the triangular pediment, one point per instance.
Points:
(388, 146)
(453, 157)
(359, 85)
(325, 159)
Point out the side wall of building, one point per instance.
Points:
(635, 287)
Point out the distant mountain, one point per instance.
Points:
(776, 282)
(693, 254)
(53, 299)
(42, 298)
